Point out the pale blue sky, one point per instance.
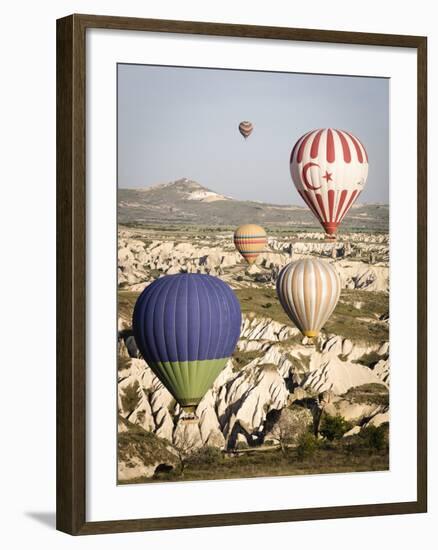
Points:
(176, 122)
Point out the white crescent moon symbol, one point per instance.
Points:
(304, 175)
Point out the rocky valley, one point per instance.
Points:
(278, 386)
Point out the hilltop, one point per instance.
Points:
(186, 202)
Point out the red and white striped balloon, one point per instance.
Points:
(329, 169)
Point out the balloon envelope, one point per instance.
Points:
(329, 169)
(309, 290)
(186, 326)
(246, 128)
(250, 240)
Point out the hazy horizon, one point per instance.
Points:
(176, 123)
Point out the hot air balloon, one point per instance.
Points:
(186, 326)
(246, 128)
(309, 290)
(329, 169)
(250, 240)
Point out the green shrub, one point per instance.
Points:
(372, 394)
(334, 427)
(374, 437)
(155, 273)
(370, 359)
(206, 456)
(307, 445)
(129, 397)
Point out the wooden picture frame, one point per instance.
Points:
(71, 273)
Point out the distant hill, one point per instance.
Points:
(187, 202)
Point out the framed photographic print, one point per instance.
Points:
(241, 244)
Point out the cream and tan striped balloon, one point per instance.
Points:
(309, 290)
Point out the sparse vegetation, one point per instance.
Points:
(136, 443)
(289, 426)
(301, 362)
(360, 316)
(155, 273)
(129, 397)
(370, 359)
(307, 446)
(360, 325)
(123, 363)
(334, 427)
(170, 207)
(254, 301)
(371, 394)
(185, 447)
(206, 456)
(375, 437)
(126, 302)
(243, 358)
(351, 454)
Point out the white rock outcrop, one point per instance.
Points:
(338, 376)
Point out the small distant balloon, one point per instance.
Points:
(309, 290)
(329, 168)
(250, 240)
(246, 128)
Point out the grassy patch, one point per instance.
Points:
(126, 303)
(137, 443)
(370, 359)
(155, 273)
(292, 341)
(347, 321)
(129, 396)
(375, 437)
(371, 394)
(307, 446)
(360, 325)
(242, 358)
(123, 363)
(254, 300)
(300, 362)
(353, 455)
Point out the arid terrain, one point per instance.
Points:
(281, 406)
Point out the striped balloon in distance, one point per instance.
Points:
(246, 128)
(250, 240)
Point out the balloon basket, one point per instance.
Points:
(189, 415)
(330, 238)
(309, 341)
(189, 419)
